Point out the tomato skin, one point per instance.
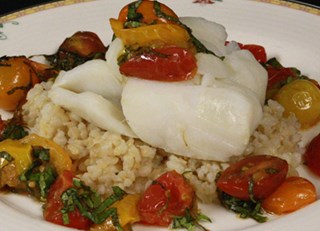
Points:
(293, 194)
(170, 195)
(173, 64)
(15, 73)
(147, 10)
(52, 210)
(301, 97)
(258, 51)
(312, 155)
(83, 43)
(266, 172)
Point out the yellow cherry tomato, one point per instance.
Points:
(157, 35)
(301, 97)
(59, 157)
(16, 78)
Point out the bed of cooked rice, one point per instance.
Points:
(104, 159)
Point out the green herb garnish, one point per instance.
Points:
(90, 204)
(190, 221)
(40, 175)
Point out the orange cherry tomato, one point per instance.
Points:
(293, 194)
(16, 78)
(147, 11)
(301, 97)
(168, 196)
(164, 64)
(266, 173)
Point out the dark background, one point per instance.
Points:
(7, 6)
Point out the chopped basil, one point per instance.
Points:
(245, 209)
(190, 221)
(90, 204)
(14, 132)
(40, 175)
(5, 155)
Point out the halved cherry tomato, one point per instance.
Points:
(52, 210)
(157, 35)
(264, 172)
(301, 97)
(168, 196)
(16, 78)
(258, 51)
(164, 64)
(147, 10)
(312, 155)
(293, 194)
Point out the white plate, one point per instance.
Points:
(288, 31)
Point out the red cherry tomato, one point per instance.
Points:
(52, 211)
(258, 51)
(168, 196)
(163, 64)
(277, 76)
(265, 173)
(312, 155)
(293, 194)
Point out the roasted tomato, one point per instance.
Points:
(16, 78)
(164, 64)
(312, 155)
(258, 51)
(77, 49)
(293, 194)
(168, 196)
(256, 176)
(301, 97)
(52, 209)
(145, 12)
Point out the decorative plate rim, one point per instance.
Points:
(47, 6)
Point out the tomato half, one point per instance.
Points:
(312, 155)
(264, 172)
(52, 210)
(147, 10)
(163, 64)
(293, 194)
(168, 196)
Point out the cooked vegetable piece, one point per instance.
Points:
(144, 12)
(77, 49)
(293, 194)
(254, 177)
(157, 35)
(168, 196)
(59, 158)
(15, 158)
(301, 97)
(258, 51)
(16, 79)
(312, 155)
(53, 207)
(40, 175)
(73, 204)
(163, 64)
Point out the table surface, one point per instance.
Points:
(7, 6)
